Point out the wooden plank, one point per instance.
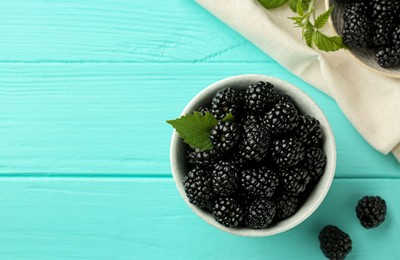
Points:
(110, 118)
(117, 31)
(79, 218)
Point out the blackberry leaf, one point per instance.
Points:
(269, 4)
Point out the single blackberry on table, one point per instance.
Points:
(227, 212)
(224, 102)
(203, 110)
(286, 206)
(260, 213)
(385, 10)
(307, 125)
(387, 56)
(356, 27)
(283, 98)
(197, 186)
(287, 152)
(314, 162)
(382, 32)
(254, 144)
(203, 159)
(294, 180)
(334, 243)
(261, 182)
(224, 178)
(224, 136)
(259, 97)
(281, 119)
(371, 211)
(396, 36)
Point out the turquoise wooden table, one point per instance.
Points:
(85, 89)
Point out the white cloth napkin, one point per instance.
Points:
(370, 101)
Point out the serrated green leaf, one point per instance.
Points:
(269, 4)
(299, 7)
(326, 43)
(307, 33)
(297, 21)
(323, 18)
(228, 117)
(195, 129)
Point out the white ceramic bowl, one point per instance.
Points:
(306, 105)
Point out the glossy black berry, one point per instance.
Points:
(356, 27)
(197, 186)
(396, 36)
(259, 97)
(287, 152)
(224, 178)
(203, 159)
(385, 10)
(281, 119)
(254, 144)
(224, 102)
(307, 125)
(283, 98)
(286, 206)
(227, 212)
(224, 136)
(382, 32)
(315, 162)
(261, 213)
(334, 243)
(387, 56)
(294, 180)
(371, 211)
(260, 182)
(203, 110)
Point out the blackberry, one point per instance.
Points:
(224, 178)
(387, 56)
(197, 186)
(283, 98)
(334, 243)
(224, 102)
(385, 10)
(251, 119)
(287, 152)
(294, 180)
(314, 162)
(281, 119)
(396, 36)
(203, 159)
(243, 198)
(203, 110)
(286, 206)
(356, 27)
(371, 211)
(259, 97)
(254, 145)
(306, 126)
(260, 213)
(382, 32)
(227, 212)
(224, 136)
(261, 182)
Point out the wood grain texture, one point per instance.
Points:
(110, 118)
(117, 31)
(95, 218)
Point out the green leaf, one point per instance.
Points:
(269, 4)
(228, 117)
(326, 43)
(323, 18)
(297, 20)
(195, 129)
(293, 4)
(299, 7)
(308, 34)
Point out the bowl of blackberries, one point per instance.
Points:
(371, 31)
(252, 155)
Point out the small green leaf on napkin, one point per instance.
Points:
(323, 18)
(327, 43)
(195, 129)
(269, 4)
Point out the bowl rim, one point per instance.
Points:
(351, 54)
(329, 170)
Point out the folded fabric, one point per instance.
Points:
(369, 100)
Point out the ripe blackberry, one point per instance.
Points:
(197, 186)
(283, 98)
(306, 126)
(382, 32)
(259, 97)
(224, 178)
(261, 182)
(371, 211)
(286, 206)
(251, 119)
(203, 110)
(314, 162)
(224, 102)
(227, 212)
(385, 10)
(334, 243)
(224, 136)
(254, 145)
(294, 180)
(281, 119)
(260, 213)
(396, 36)
(387, 56)
(287, 152)
(356, 27)
(203, 159)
